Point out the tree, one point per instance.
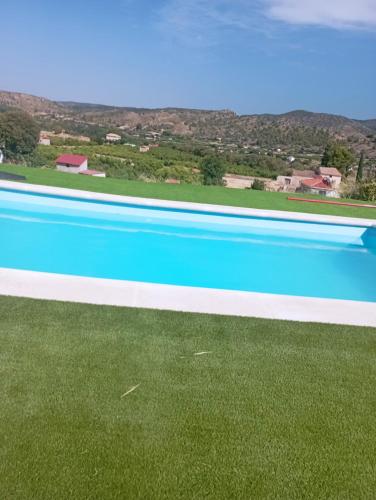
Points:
(359, 174)
(258, 185)
(213, 170)
(19, 134)
(367, 191)
(337, 155)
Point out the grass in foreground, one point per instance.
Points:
(274, 410)
(186, 192)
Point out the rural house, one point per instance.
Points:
(331, 174)
(74, 164)
(44, 139)
(113, 137)
(319, 185)
(292, 182)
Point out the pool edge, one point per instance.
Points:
(185, 205)
(67, 288)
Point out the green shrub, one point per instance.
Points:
(366, 191)
(258, 185)
(213, 170)
(19, 134)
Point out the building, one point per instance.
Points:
(318, 185)
(144, 149)
(44, 139)
(292, 182)
(1, 156)
(113, 137)
(333, 175)
(93, 173)
(73, 164)
(291, 159)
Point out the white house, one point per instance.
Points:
(44, 139)
(113, 137)
(144, 149)
(74, 164)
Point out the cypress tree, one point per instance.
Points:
(359, 174)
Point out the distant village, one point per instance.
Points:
(323, 181)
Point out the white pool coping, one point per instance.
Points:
(184, 205)
(49, 286)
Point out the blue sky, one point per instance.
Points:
(252, 56)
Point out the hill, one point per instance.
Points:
(299, 128)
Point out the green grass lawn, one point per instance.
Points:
(274, 410)
(186, 192)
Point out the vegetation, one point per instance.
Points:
(297, 132)
(201, 194)
(366, 190)
(359, 173)
(19, 134)
(213, 170)
(258, 185)
(337, 155)
(274, 410)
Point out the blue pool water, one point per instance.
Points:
(129, 242)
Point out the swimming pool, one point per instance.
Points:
(190, 248)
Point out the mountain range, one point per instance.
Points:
(203, 124)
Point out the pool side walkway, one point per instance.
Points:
(14, 282)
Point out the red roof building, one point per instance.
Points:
(71, 160)
(317, 183)
(73, 164)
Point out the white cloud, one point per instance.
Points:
(202, 22)
(330, 13)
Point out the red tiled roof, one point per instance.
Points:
(73, 160)
(317, 183)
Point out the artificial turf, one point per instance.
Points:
(188, 192)
(273, 409)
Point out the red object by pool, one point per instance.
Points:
(361, 205)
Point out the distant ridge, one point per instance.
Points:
(198, 124)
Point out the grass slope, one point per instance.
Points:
(186, 192)
(275, 410)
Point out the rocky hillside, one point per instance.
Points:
(29, 103)
(296, 127)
